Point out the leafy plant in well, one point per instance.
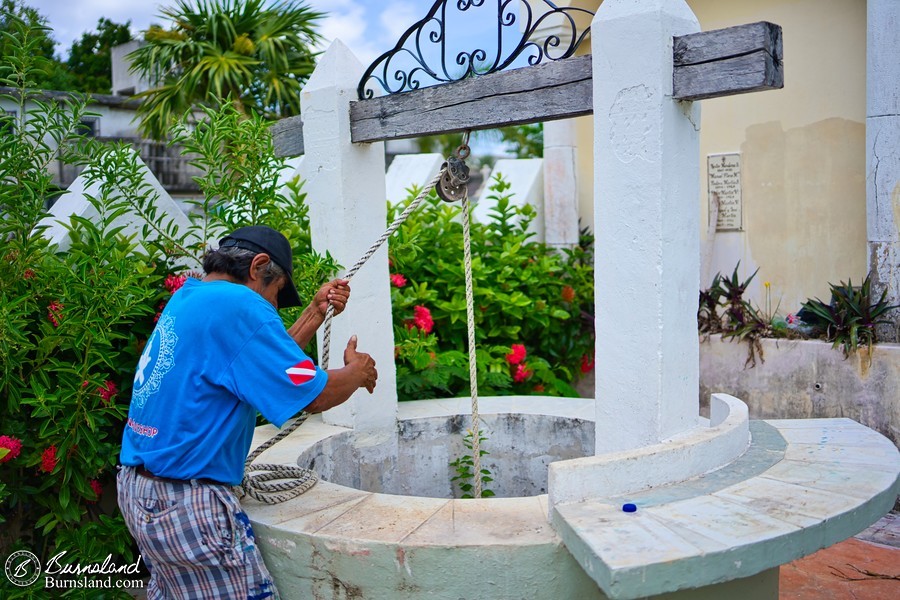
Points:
(464, 467)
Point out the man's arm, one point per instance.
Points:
(358, 372)
(335, 292)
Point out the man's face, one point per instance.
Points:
(270, 292)
(257, 278)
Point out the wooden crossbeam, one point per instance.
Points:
(553, 90)
(710, 64)
(725, 62)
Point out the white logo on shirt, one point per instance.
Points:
(159, 357)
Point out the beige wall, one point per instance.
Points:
(802, 150)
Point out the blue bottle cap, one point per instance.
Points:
(629, 507)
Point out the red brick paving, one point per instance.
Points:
(818, 576)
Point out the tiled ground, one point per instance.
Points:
(866, 567)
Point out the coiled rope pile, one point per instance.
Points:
(273, 483)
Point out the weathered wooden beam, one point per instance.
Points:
(287, 135)
(709, 64)
(553, 90)
(725, 62)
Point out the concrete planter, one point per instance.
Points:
(803, 379)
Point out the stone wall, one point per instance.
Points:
(803, 379)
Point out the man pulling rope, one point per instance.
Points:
(219, 354)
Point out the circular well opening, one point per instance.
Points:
(417, 460)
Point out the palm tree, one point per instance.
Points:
(256, 56)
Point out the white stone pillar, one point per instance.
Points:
(560, 184)
(883, 154)
(347, 208)
(646, 222)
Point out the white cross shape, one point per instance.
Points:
(143, 362)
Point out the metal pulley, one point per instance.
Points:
(452, 185)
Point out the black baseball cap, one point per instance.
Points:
(259, 239)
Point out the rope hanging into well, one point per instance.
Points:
(273, 483)
(473, 367)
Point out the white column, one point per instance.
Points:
(646, 222)
(560, 184)
(883, 154)
(348, 211)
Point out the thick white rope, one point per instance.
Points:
(271, 483)
(329, 314)
(473, 367)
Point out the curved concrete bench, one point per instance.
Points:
(803, 485)
(696, 451)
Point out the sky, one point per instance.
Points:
(367, 27)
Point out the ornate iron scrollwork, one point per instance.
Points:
(423, 58)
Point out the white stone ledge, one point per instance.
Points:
(697, 451)
(836, 477)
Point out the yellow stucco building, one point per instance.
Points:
(802, 153)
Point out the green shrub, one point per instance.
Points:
(71, 326)
(533, 305)
(73, 323)
(850, 318)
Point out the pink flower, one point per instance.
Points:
(14, 445)
(398, 280)
(54, 312)
(98, 489)
(48, 459)
(791, 319)
(587, 363)
(28, 274)
(108, 392)
(422, 319)
(517, 355)
(174, 282)
(522, 373)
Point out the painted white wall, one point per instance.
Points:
(883, 152)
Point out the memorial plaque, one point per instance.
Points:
(724, 182)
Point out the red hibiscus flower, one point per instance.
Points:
(54, 312)
(108, 391)
(422, 319)
(174, 282)
(522, 373)
(587, 363)
(14, 445)
(517, 355)
(98, 489)
(48, 459)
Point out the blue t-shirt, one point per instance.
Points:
(219, 354)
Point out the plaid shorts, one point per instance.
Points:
(195, 539)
